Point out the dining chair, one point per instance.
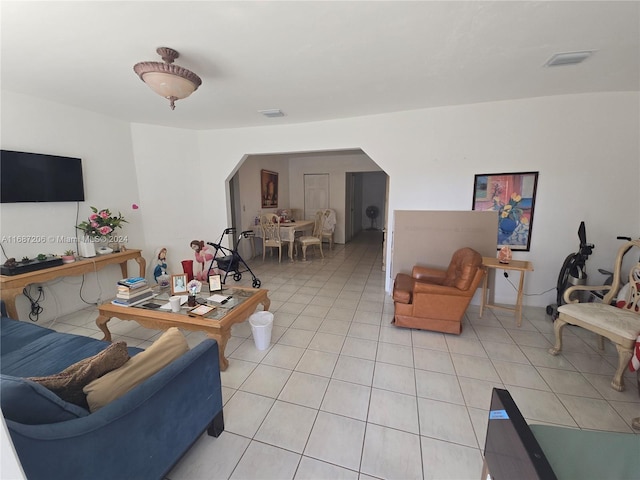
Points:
(270, 226)
(315, 238)
(329, 225)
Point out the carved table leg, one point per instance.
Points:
(9, 296)
(266, 303)
(101, 322)
(142, 265)
(222, 339)
(624, 355)
(558, 326)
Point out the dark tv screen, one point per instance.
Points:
(35, 177)
(511, 451)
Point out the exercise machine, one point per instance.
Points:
(573, 272)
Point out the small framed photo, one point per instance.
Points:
(201, 310)
(178, 284)
(215, 284)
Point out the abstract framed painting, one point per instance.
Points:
(513, 197)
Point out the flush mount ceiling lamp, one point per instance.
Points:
(170, 81)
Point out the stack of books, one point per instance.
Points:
(132, 291)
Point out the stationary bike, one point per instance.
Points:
(572, 272)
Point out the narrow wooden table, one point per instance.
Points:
(216, 325)
(515, 265)
(12, 285)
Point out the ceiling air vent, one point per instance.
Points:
(569, 58)
(272, 113)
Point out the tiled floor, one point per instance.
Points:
(343, 394)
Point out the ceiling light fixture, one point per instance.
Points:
(171, 81)
(568, 58)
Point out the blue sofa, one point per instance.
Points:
(142, 434)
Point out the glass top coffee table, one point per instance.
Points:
(216, 324)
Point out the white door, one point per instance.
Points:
(316, 193)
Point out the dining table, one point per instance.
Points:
(288, 232)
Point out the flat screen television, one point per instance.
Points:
(511, 450)
(36, 177)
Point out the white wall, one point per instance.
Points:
(374, 187)
(250, 187)
(584, 146)
(335, 164)
(110, 181)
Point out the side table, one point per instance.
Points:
(514, 265)
(12, 285)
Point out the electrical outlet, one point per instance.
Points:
(40, 288)
(506, 275)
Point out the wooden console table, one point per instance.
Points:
(12, 285)
(515, 265)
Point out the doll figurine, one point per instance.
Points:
(161, 264)
(204, 259)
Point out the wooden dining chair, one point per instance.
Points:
(315, 238)
(329, 225)
(270, 226)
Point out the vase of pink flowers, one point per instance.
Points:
(101, 223)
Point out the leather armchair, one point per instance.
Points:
(433, 299)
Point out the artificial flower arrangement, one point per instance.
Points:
(194, 286)
(101, 223)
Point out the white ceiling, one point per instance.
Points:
(314, 60)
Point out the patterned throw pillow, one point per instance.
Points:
(69, 383)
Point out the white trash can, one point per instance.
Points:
(261, 324)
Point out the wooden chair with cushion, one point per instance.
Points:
(315, 238)
(433, 299)
(620, 325)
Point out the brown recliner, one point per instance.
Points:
(431, 299)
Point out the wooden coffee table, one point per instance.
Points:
(216, 325)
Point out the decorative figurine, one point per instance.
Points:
(505, 255)
(204, 258)
(160, 271)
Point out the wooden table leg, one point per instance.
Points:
(9, 297)
(484, 292)
(101, 322)
(519, 299)
(222, 339)
(142, 266)
(266, 303)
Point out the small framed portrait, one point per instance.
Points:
(178, 284)
(215, 284)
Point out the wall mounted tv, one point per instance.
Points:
(35, 177)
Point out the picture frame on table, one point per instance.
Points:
(179, 284)
(215, 283)
(513, 197)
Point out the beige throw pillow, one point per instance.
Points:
(113, 385)
(68, 384)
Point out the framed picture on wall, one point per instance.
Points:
(269, 188)
(513, 197)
